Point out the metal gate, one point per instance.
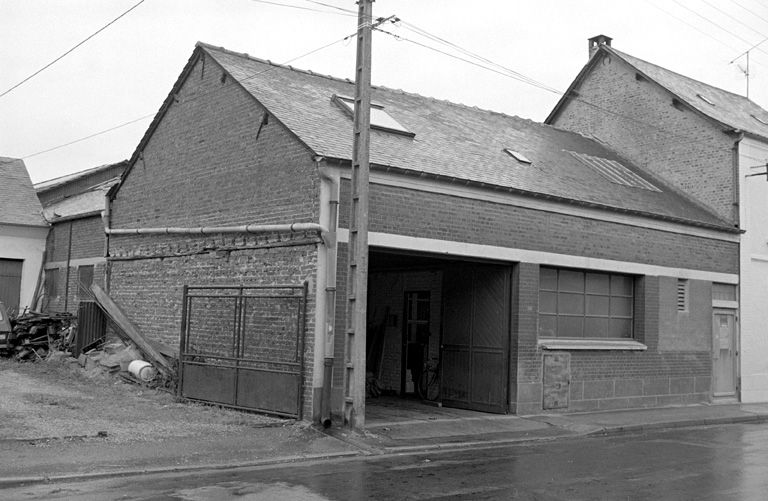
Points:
(91, 326)
(243, 347)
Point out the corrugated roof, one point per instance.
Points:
(726, 107)
(452, 141)
(18, 200)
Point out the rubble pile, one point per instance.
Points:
(32, 335)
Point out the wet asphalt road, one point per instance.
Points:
(717, 463)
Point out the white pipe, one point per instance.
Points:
(209, 230)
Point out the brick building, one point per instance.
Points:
(712, 146)
(22, 236)
(542, 269)
(76, 244)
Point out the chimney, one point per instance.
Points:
(596, 42)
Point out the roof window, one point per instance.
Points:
(380, 119)
(705, 99)
(517, 156)
(764, 122)
(614, 171)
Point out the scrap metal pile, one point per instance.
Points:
(31, 335)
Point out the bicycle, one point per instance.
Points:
(428, 386)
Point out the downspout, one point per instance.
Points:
(329, 320)
(69, 260)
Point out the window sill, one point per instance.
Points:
(592, 344)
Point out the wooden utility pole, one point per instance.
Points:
(357, 248)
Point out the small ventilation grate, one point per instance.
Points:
(682, 295)
(614, 171)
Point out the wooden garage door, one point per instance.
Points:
(476, 337)
(10, 282)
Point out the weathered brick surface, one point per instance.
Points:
(215, 159)
(212, 161)
(638, 119)
(150, 291)
(443, 217)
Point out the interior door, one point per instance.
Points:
(475, 343)
(724, 353)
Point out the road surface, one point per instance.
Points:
(717, 463)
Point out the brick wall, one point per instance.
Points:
(149, 288)
(444, 217)
(215, 159)
(637, 119)
(210, 162)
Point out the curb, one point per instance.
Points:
(689, 423)
(19, 481)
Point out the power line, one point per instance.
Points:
(750, 11)
(716, 25)
(299, 7)
(537, 84)
(349, 11)
(182, 103)
(72, 49)
(733, 18)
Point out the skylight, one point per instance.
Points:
(614, 171)
(380, 119)
(764, 122)
(518, 156)
(705, 99)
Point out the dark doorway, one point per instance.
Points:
(416, 335)
(450, 313)
(10, 283)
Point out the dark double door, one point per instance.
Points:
(475, 344)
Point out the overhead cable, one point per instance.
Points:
(72, 49)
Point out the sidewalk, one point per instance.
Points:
(37, 460)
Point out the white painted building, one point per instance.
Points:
(22, 236)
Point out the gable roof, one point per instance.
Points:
(729, 110)
(452, 142)
(18, 201)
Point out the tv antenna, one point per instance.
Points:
(745, 69)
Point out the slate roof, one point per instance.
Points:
(453, 141)
(728, 108)
(18, 200)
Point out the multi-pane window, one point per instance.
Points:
(585, 304)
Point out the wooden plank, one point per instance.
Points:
(128, 327)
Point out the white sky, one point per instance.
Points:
(127, 70)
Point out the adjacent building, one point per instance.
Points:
(22, 236)
(711, 146)
(76, 244)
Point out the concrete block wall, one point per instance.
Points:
(638, 119)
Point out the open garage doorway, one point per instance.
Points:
(427, 312)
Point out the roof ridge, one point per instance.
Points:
(347, 80)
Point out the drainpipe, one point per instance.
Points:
(69, 260)
(329, 320)
(212, 230)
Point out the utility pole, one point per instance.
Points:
(357, 247)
